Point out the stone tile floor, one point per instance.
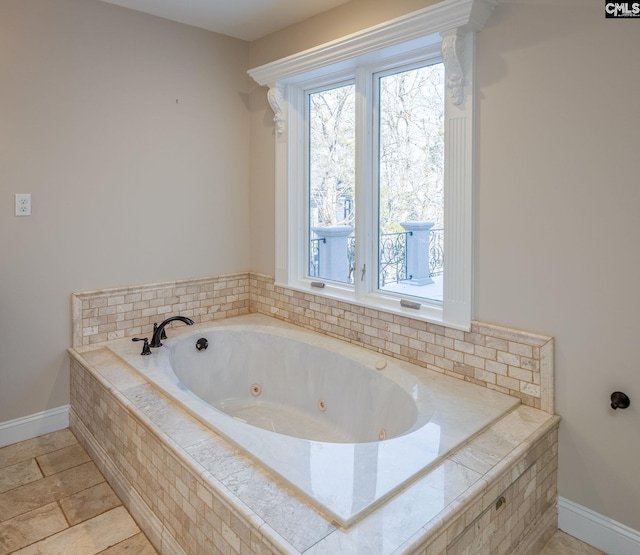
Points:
(54, 501)
(564, 544)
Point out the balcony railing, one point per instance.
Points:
(393, 260)
(314, 256)
(436, 252)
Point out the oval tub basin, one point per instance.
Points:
(344, 426)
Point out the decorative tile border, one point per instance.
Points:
(514, 362)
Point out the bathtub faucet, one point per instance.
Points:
(157, 334)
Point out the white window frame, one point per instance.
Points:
(448, 26)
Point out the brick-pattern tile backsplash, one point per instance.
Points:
(107, 314)
(514, 362)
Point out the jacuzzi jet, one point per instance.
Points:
(256, 389)
(382, 434)
(322, 405)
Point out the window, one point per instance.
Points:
(331, 162)
(374, 164)
(410, 180)
(407, 186)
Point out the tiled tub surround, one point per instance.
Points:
(510, 361)
(192, 492)
(345, 471)
(186, 485)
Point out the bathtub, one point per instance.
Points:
(346, 427)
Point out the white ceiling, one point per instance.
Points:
(243, 19)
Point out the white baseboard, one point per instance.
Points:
(597, 530)
(34, 425)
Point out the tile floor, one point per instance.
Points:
(54, 501)
(563, 544)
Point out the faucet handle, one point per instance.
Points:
(145, 347)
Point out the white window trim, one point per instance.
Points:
(452, 24)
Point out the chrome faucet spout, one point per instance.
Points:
(157, 334)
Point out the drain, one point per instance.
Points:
(382, 434)
(322, 405)
(256, 389)
(202, 344)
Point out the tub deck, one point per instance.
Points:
(191, 490)
(343, 481)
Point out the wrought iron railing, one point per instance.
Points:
(392, 261)
(436, 252)
(392, 256)
(314, 256)
(351, 256)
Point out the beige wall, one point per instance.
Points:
(128, 186)
(343, 20)
(558, 227)
(557, 222)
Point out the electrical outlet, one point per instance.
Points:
(23, 204)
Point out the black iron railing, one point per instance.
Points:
(314, 256)
(436, 252)
(392, 259)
